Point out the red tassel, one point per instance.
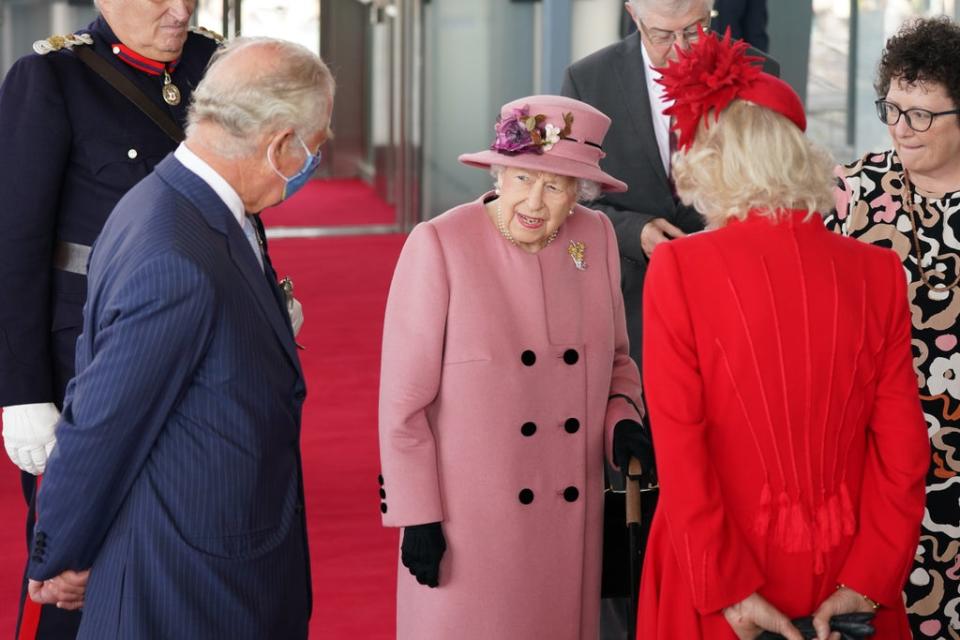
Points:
(834, 520)
(783, 514)
(849, 523)
(799, 537)
(818, 563)
(762, 522)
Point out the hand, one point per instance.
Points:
(632, 440)
(752, 615)
(295, 309)
(421, 551)
(656, 231)
(66, 590)
(843, 600)
(29, 434)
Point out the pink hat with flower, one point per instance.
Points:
(549, 133)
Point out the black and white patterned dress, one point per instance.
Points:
(870, 208)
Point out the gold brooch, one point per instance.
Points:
(576, 251)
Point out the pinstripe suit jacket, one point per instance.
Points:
(177, 473)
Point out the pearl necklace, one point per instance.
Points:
(509, 236)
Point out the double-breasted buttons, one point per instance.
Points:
(383, 507)
(528, 358)
(528, 429)
(570, 494)
(526, 496)
(132, 154)
(383, 494)
(380, 480)
(570, 356)
(572, 425)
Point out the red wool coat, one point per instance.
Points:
(495, 410)
(790, 444)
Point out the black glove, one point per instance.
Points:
(632, 440)
(421, 550)
(852, 626)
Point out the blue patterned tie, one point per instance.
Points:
(251, 234)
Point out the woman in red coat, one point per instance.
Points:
(777, 365)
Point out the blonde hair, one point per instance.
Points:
(752, 158)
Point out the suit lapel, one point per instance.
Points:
(263, 290)
(632, 81)
(219, 217)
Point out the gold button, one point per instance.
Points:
(132, 154)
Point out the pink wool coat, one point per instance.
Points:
(502, 377)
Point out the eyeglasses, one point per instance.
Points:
(665, 38)
(917, 119)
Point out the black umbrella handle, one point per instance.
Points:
(632, 480)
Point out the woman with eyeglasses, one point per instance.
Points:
(908, 199)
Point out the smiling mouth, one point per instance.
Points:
(529, 223)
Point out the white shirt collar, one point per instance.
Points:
(205, 172)
(658, 103)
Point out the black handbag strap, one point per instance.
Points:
(128, 90)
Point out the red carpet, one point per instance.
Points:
(331, 203)
(342, 283)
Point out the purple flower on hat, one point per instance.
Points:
(513, 136)
(525, 133)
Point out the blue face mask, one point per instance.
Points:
(296, 182)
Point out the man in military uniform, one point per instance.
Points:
(73, 144)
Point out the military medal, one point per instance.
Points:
(171, 94)
(577, 251)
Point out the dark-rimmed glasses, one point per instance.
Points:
(665, 38)
(917, 119)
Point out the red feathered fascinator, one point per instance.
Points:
(711, 74)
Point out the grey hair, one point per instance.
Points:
(297, 93)
(669, 7)
(587, 190)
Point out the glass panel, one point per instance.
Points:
(828, 76)
(295, 21)
(209, 14)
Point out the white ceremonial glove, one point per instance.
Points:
(29, 434)
(295, 309)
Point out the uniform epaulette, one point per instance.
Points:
(56, 43)
(213, 35)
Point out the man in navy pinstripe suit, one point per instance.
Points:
(176, 478)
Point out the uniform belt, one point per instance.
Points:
(72, 257)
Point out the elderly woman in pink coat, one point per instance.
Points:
(505, 380)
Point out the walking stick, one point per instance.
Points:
(634, 513)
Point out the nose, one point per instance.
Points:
(182, 10)
(535, 196)
(902, 129)
(682, 41)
